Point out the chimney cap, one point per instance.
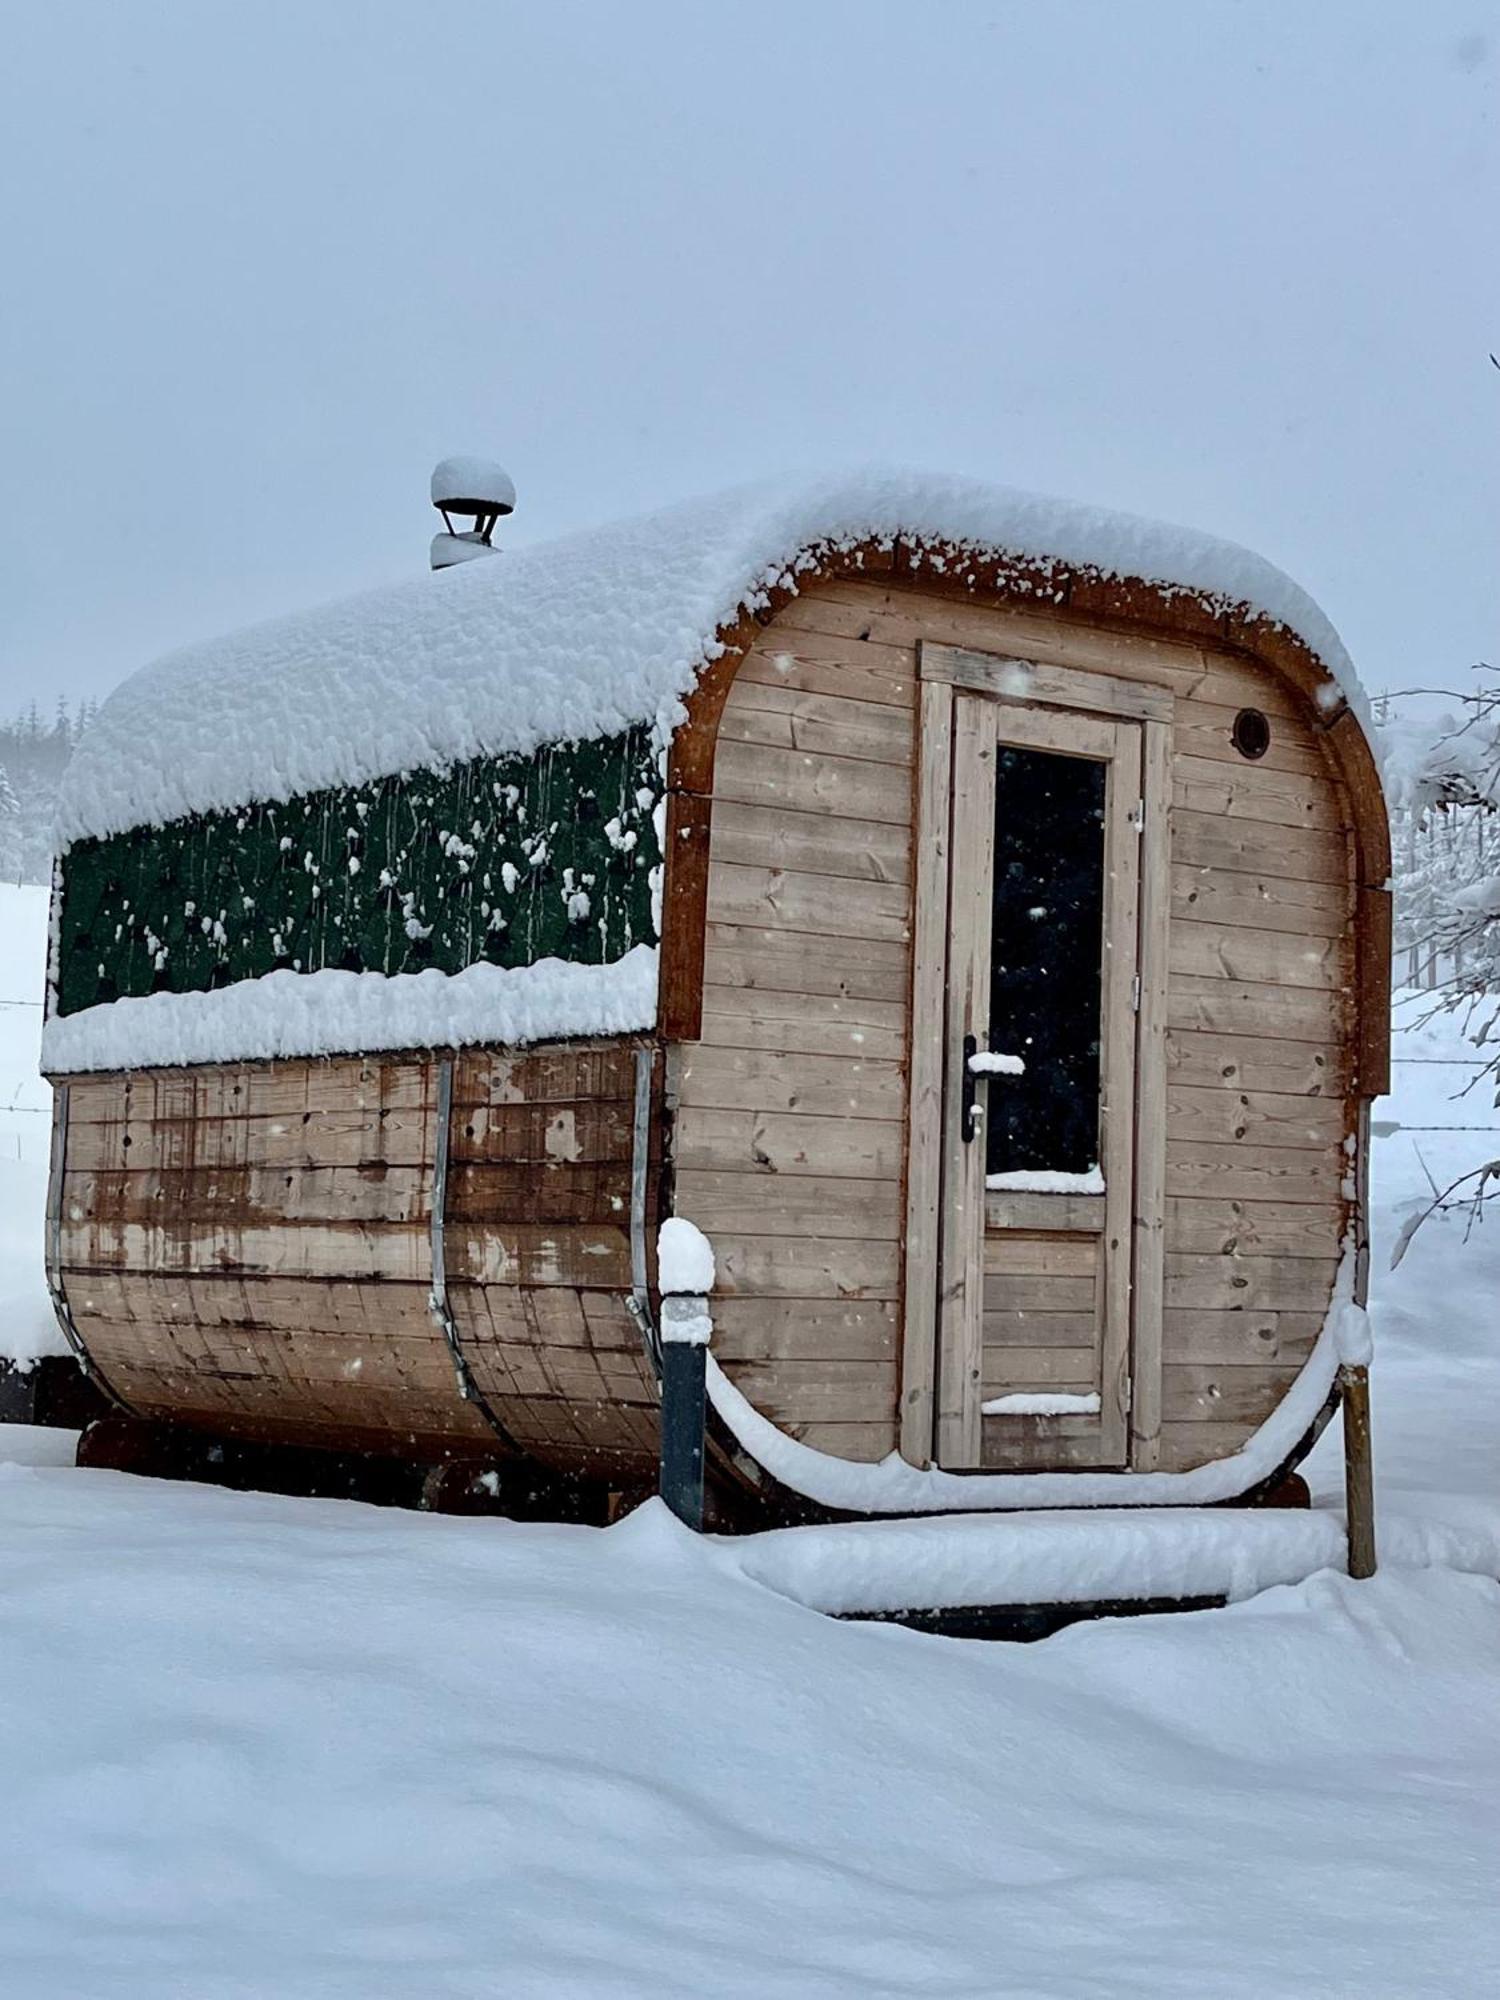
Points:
(473, 486)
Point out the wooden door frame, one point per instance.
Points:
(944, 671)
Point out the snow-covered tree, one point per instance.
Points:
(33, 757)
(1443, 782)
(1443, 785)
(10, 822)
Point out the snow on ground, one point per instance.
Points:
(262, 1746)
(27, 1327)
(314, 1749)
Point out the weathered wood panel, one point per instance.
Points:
(770, 960)
(762, 836)
(1201, 1059)
(820, 724)
(248, 1247)
(539, 1273)
(791, 1110)
(805, 1024)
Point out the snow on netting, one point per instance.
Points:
(497, 861)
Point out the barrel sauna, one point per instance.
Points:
(969, 910)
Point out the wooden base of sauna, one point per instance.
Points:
(459, 1482)
(53, 1392)
(514, 1489)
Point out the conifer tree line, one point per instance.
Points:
(34, 753)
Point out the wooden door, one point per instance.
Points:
(1039, 1098)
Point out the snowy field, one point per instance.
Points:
(263, 1747)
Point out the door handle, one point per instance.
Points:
(978, 1065)
(971, 1116)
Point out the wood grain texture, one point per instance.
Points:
(962, 1243)
(1152, 1107)
(927, 1032)
(789, 1140)
(248, 1249)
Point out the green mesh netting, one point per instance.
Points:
(503, 859)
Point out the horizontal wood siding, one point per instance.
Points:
(538, 1251)
(790, 1131)
(811, 858)
(245, 1247)
(1042, 1321)
(248, 1247)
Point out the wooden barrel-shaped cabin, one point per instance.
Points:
(968, 909)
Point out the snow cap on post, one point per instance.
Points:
(685, 1274)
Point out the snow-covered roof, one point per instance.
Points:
(576, 638)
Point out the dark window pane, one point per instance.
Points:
(1046, 950)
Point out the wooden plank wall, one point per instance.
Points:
(248, 1247)
(791, 1122)
(538, 1252)
(1044, 1312)
(791, 1111)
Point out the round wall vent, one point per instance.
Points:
(1251, 734)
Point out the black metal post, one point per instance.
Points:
(684, 1376)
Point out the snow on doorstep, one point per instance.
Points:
(1043, 1557)
(684, 1258)
(321, 1013)
(1047, 1180)
(987, 1064)
(577, 638)
(1042, 1403)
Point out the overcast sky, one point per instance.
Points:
(1229, 264)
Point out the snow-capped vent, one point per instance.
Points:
(474, 489)
(447, 550)
(473, 486)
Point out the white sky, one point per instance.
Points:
(1230, 264)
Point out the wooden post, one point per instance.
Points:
(1359, 1481)
(685, 1330)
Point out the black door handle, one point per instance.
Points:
(969, 1119)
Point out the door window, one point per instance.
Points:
(1046, 954)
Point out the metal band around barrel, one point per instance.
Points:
(640, 1161)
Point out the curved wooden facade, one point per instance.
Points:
(251, 1248)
